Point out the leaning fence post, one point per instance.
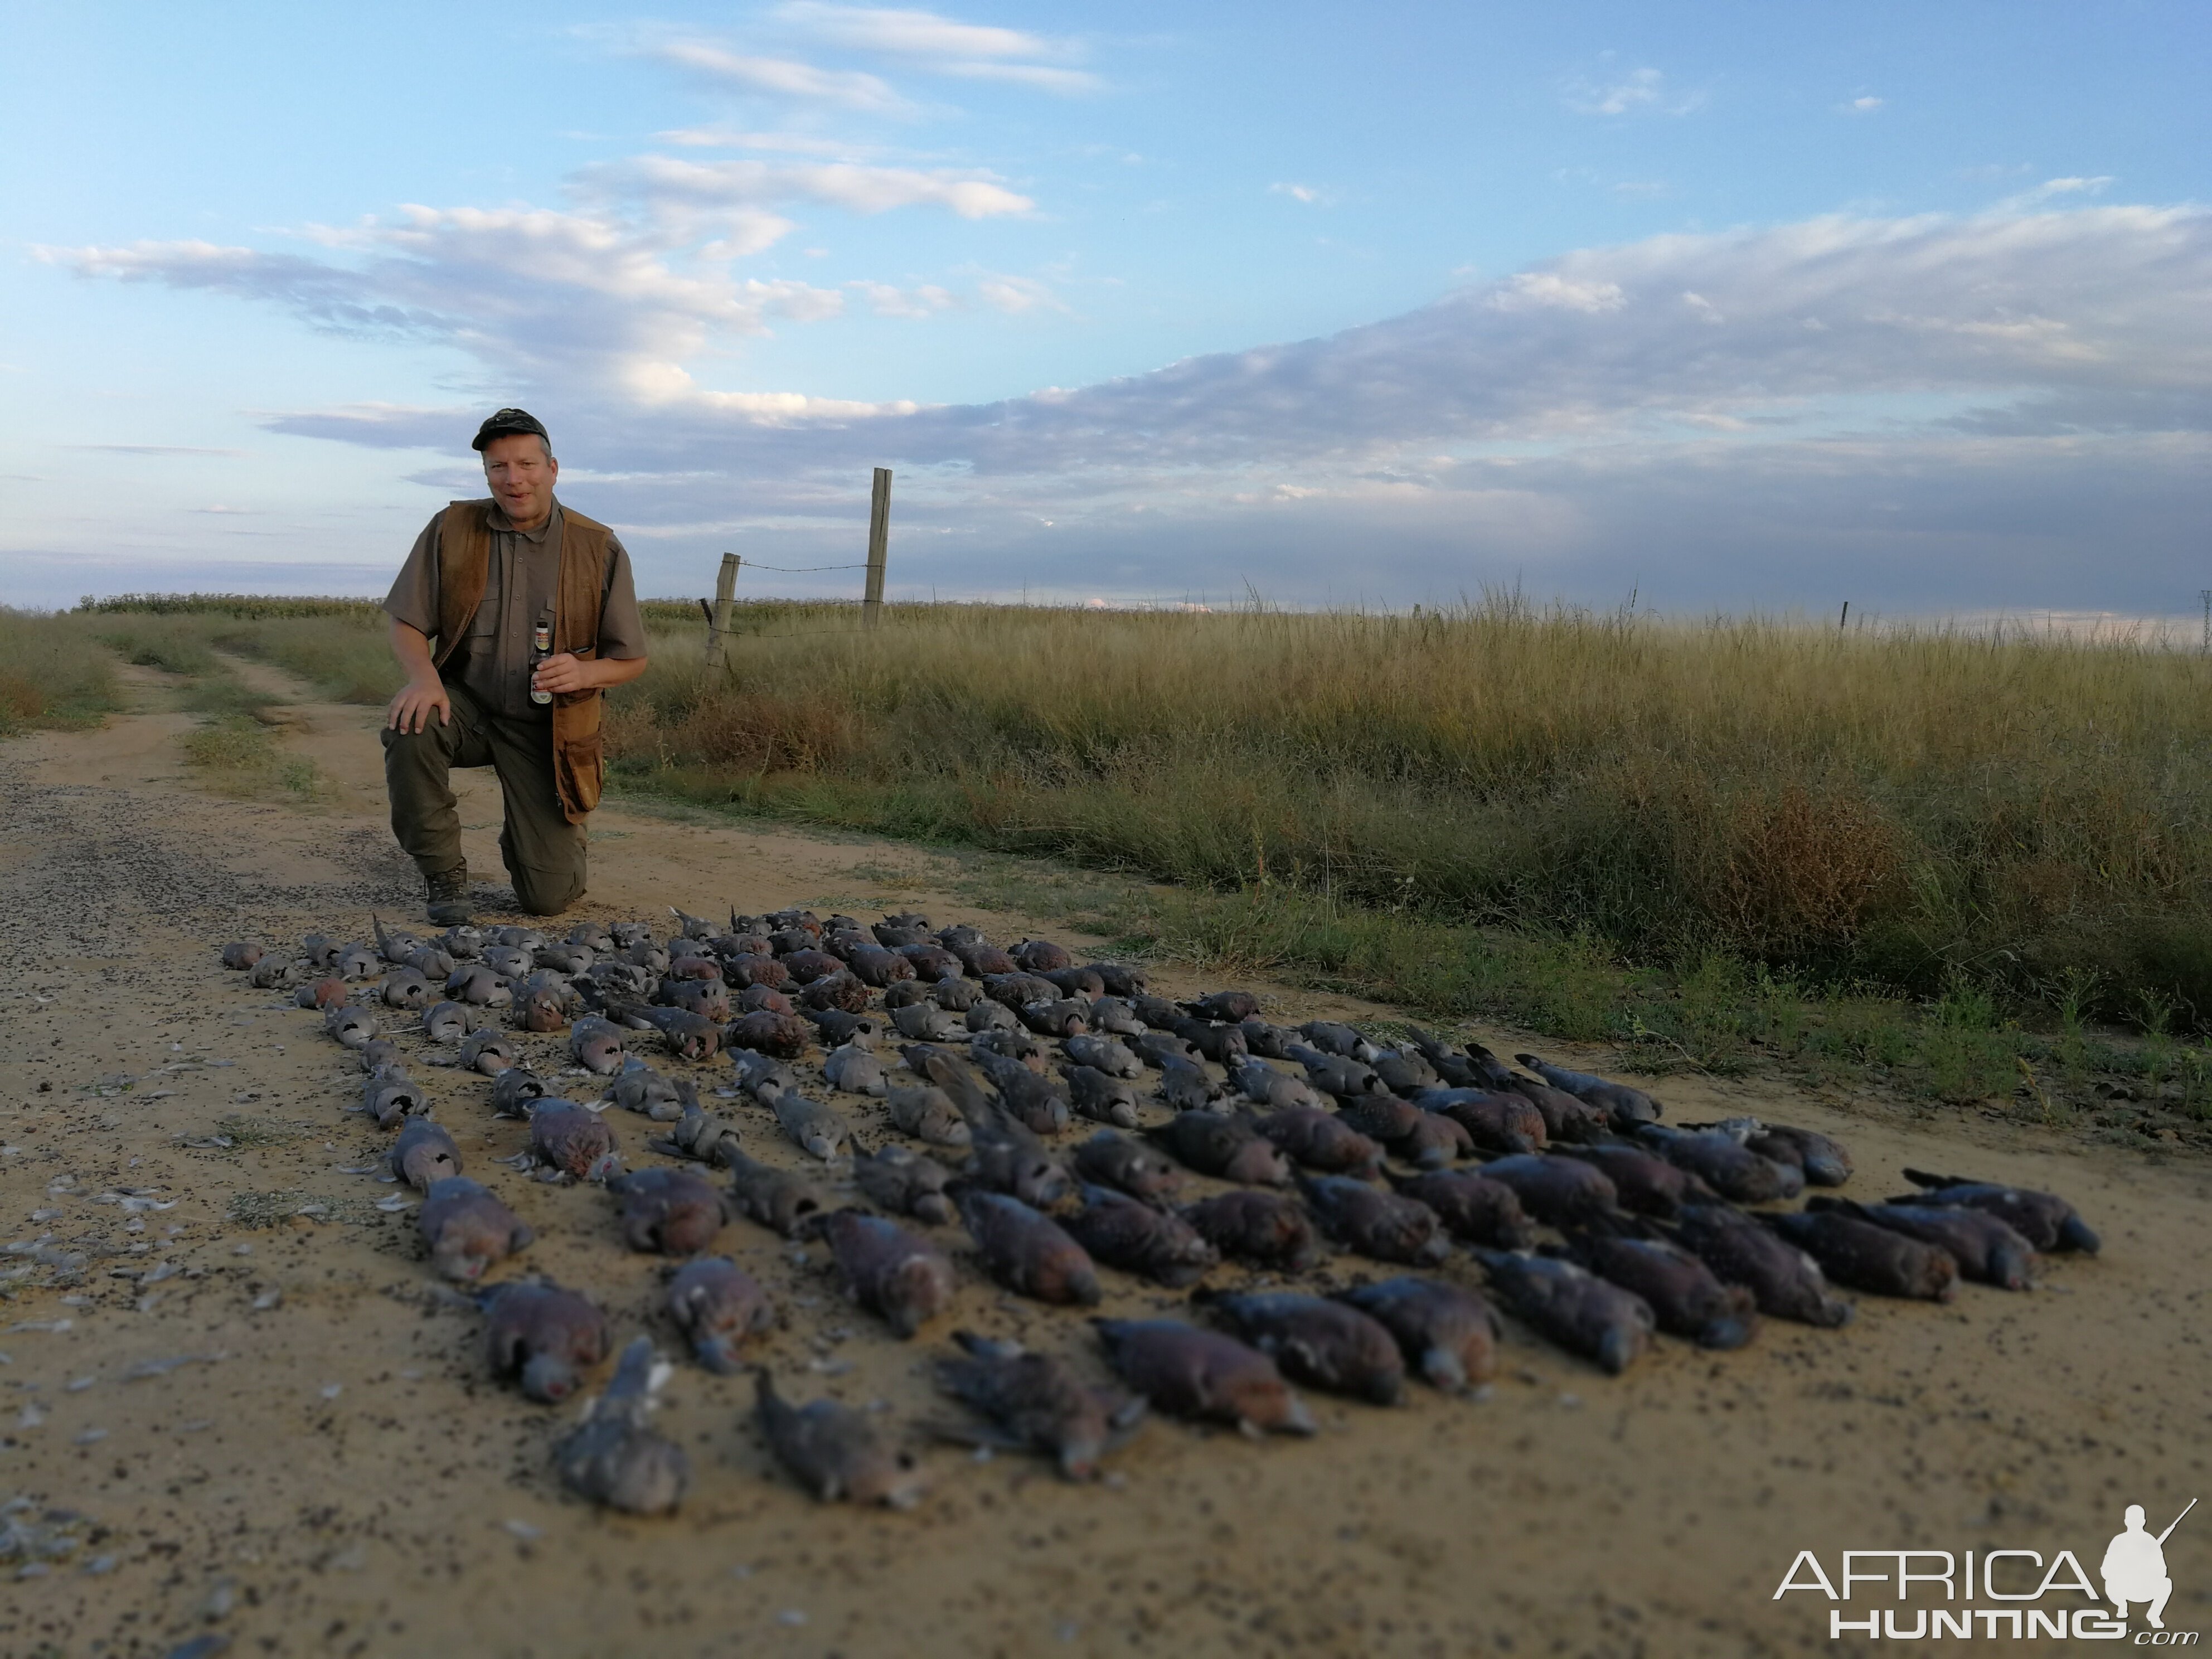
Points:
(726, 599)
(879, 535)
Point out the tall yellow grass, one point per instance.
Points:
(1902, 805)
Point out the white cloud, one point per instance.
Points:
(781, 77)
(1308, 194)
(889, 300)
(1640, 91)
(1547, 290)
(1866, 105)
(942, 45)
(1015, 295)
(666, 182)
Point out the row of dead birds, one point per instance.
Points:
(1654, 1235)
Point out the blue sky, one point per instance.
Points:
(1733, 305)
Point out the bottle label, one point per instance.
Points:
(542, 640)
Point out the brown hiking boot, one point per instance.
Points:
(448, 903)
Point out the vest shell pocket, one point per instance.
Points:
(579, 767)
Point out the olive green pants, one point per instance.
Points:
(543, 851)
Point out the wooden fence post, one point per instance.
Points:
(879, 535)
(726, 599)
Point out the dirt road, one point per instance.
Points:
(233, 1405)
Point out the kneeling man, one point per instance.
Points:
(511, 616)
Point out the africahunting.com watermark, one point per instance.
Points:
(1918, 1595)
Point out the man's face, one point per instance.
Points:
(521, 475)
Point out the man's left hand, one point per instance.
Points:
(563, 672)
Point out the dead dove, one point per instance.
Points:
(597, 1045)
(379, 1052)
(927, 1113)
(989, 1016)
(612, 1458)
(638, 1088)
(781, 1037)
(898, 1275)
(352, 1027)
(1026, 1250)
(855, 1071)
(466, 1229)
(391, 1094)
(1573, 1307)
(905, 1183)
(1188, 1373)
(1216, 1144)
(241, 955)
(1127, 1233)
(926, 1022)
(423, 1154)
(429, 961)
(718, 1304)
(571, 1142)
(1111, 1016)
(1330, 1345)
(816, 1128)
(1037, 1402)
(392, 945)
(268, 972)
(355, 961)
(672, 1212)
(1449, 1334)
(1103, 1054)
(1101, 1098)
(406, 989)
(1386, 1225)
(481, 985)
(1127, 1165)
(446, 1022)
(833, 1451)
(540, 1335)
(329, 992)
(1267, 1230)
(777, 1199)
(514, 1090)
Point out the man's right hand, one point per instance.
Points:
(410, 710)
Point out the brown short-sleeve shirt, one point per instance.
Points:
(494, 663)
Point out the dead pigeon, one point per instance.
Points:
(1103, 1054)
(461, 942)
(596, 1045)
(692, 1037)
(1036, 1403)
(1496, 1122)
(405, 989)
(855, 1071)
(928, 1114)
(1188, 1373)
(816, 1128)
(1264, 1229)
(1330, 1345)
(1221, 1044)
(838, 990)
(1471, 1208)
(671, 1212)
(541, 1335)
(718, 1304)
(241, 955)
(1056, 1017)
(1039, 956)
(268, 972)
(1987, 1249)
(695, 1134)
(391, 945)
(380, 1053)
(571, 1142)
(638, 1088)
(898, 1275)
(1449, 1334)
(1016, 1045)
(1724, 1163)
(1185, 1086)
(1226, 1007)
(480, 985)
(1386, 1225)
(2045, 1220)
(1787, 1282)
(905, 1183)
(777, 1199)
(391, 1094)
(1867, 1257)
(989, 1016)
(355, 961)
(1316, 1139)
(780, 1036)
(761, 1076)
(351, 1027)
(423, 1154)
(1685, 1297)
(1629, 1107)
(1129, 1166)
(1101, 1098)
(709, 999)
(612, 1458)
(1559, 1191)
(1573, 1307)
(1112, 1017)
(1127, 1233)
(1036, 1101)
(1277, 1091)
(1216, 1144)
(446, 1022)
(329, 992)
(833, 1451)
(466, 1229)
(1644, 1184)
(506, 962)
(1026, 1250)
(1334, 1038)
(1082, 983)
(1336, 1075)
(514, 1090)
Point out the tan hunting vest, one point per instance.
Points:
(580, 764)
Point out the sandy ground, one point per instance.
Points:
(332, 1472)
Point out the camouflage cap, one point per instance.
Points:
(508, 422)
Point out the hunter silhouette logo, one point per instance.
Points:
(2017, 1594)
(2134, 1569)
